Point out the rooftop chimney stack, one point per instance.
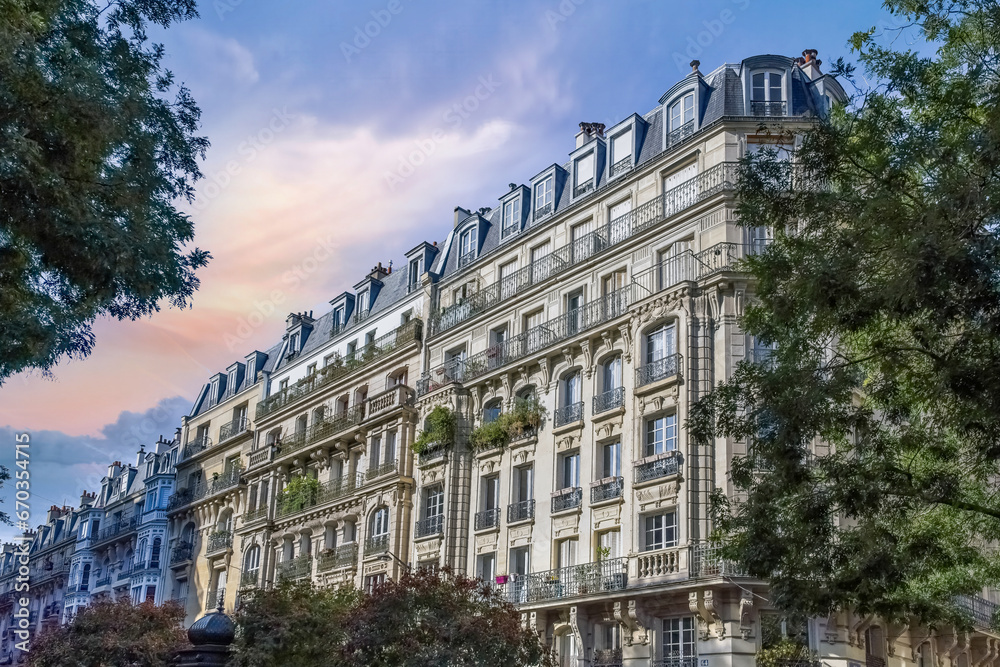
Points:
(379, 272)
(810, 64)
(694, 66)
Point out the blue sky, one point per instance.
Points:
(343, 134)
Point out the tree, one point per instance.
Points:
(292, 625)
(110, 633)
(93, 156)
(421, 620)
(873, 426)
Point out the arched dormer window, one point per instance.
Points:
(767, 96)
(680, 118)
(467, 246)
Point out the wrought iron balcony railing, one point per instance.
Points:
(346, 555)
(326, 492)
(296, 568)
(609, 400)
(574, 581)
(607, 489)
(680, 134)
(214, 599)
(621, 166)
(377, 349)
(488, 519)
(706, 560)
(676, 661)
(219, 540)
(432, 525)
(250, 516)
(768, 108)
(249, 578)
(662, 465)
(181, 553)
(981, 611)
(229, 478)
(381, 470)
(521, 511)
(376, 544)
(661, 369)
(197, 445)
(233, 428)
(466, 259)
(583, 188)
(122, 526)
(568, 414)
(567, 499)
(542, 211)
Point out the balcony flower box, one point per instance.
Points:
(502, 579)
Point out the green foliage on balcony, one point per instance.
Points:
(785, 653)
(439, 430)
(299, 494)
(526, 416)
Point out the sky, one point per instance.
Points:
(345, 133)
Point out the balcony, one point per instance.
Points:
(621, 166)
(607, 489)
(567, 582)
(376, 544)
(261, 456)
(432, 525)
(466, 259)
(296, 568)
(567, 499)
(680, 134)
(197, 445)
(249, 578)
(228, 479)
(367, 355)
(387, 468)
(328, 492)
(232, 429)
(676, 661)
(655, 467)
(119, 528)
(655, 565)
(102, 582)
(182, 553)
(568, 414)
(607, 657)
(252, 516)
(215, 599)
(433, 453)
(220, 540)
(706, 561)
(768, 108)
(346, 555)
(583, 189)
(979, 610)
(661, 369)
(487, 519)
(124, 574)
(542, 211)
(522, 511)
(321, 430)
(388, 400)
(609, 400)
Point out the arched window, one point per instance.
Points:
(140, 552)
(611, 373)
(379, 525)
(492, 411)
(571, 399)
(660, 354)
(251, 561)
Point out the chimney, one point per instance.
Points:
(461, 214)
(114, 468)
(378, 273)
(694, 66)
(87, 499)
(589, 131)
(53, 514)
(139, 456)
(810, 64)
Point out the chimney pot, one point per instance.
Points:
(694, 65)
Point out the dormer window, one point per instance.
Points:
(621, 152)
(766, 97)
(467, 247)
(293, 343)
(338, 318)
(543, 197)
(681, 119)
(215, 392)
(584, 169)
(511, 218)
(363, 302)
(231, 382)
(413, 275)
(251, 371)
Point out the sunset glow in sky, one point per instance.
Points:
(343, 134)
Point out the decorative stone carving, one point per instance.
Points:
(588, 367)
(566, 442)
(565, 526)
(486, 543)
(626, 332)
(746, 614)
(720, 626)
(635, 630)
(606, 517)
(661, 495)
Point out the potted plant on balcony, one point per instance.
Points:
(490, 435)
(526, 415)
(300, 492)
(439, 430)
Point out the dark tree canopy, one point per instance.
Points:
(422, 620)
(97, 144)
(881, 295)
(113, 633)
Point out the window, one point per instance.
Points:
(660, 343)
(466, 245)
(390, 447)
(85, 577)
(533, 319)
(380, 523)
(338, 317)
(661, 435)
(486, 566)
(508, 279)
(511, 217)
(569, 470)
(310, 369)
(567, 552)
(154, 552)
(293, 343)
(774, 628)
(492, 411)
(231, 382)
(283, 385)
(373, 581)
(611, 373)
(621, 150)
(363, 302)
(766, 87)
(659, 531)
(524, 483)
(375, 453)
(433, 502)
(610, 544)
(491, 492)
(572, 389)
(611, 459)
(520, 560)
(678, 639)
(251, 371)
(543, 197)
(413, 276)
(251, 562)
(621, 221)
(682, 112)
(585, 170)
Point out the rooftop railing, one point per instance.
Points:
(365, 356)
